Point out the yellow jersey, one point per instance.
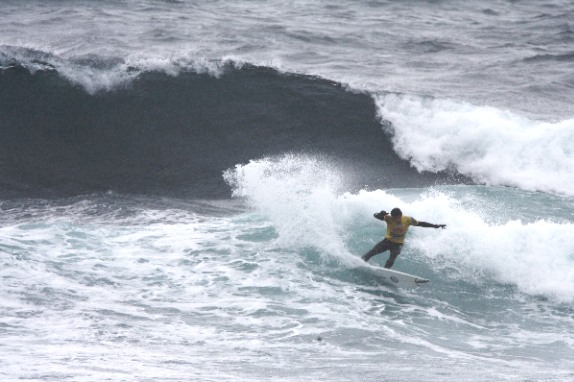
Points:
(396, 232)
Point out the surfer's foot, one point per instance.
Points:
(365, 259)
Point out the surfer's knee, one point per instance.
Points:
(395, 250)
(394, 253)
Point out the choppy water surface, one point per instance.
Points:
(186, 190)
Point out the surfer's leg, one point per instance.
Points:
(395, 251)
(381, 246)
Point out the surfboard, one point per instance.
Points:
(396, 278)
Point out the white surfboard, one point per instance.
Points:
(396, 278)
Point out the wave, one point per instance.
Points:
(565, 57)
(172, 126)
(489, 145)
(175, 133)
(96, 73)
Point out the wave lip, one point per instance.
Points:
(100, 73)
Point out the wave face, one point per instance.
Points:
(175, 135)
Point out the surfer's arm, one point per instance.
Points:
(380, 215)
(430, 225)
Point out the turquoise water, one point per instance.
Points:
(240, 290)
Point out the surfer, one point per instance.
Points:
(397, 227)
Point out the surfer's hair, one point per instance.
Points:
(396, 212)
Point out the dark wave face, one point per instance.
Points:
(175, 136)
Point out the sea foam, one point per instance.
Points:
(492, 146)
(300, 196)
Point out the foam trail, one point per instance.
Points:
(299, 195)
(490, 145)
(535, 256)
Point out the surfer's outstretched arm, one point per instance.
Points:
(430, 225)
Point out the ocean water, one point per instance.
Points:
(186, 189)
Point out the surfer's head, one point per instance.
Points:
(397, 215)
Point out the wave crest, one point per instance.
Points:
(489, 145)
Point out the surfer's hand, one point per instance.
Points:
(380, 215)
(443, 226)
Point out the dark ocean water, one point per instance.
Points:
(176, 135)
(186, 189)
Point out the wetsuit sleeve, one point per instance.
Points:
(429, 225)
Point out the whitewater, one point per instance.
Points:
(186, 189)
